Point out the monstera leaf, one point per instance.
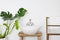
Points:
(21, 12)
(6, 15)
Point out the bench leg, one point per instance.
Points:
(38, 38)
(21, 38)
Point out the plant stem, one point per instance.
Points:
(9, 24)
(5, 33)
(12, 29)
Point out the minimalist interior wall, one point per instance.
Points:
(37, 11)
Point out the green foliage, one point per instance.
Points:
(8, 31)
(21, 12)
(15, 25)
(6, 15)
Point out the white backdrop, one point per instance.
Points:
(37, 11)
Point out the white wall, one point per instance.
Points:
(37, 11)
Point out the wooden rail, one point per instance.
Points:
(47, 34)
(21, 35)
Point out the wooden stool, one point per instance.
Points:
(33, 35)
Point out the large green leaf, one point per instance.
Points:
(6, 15)
(21, 12)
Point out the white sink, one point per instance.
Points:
(30, 29)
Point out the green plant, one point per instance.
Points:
(8, 16)
(8, 31)
(20, 13)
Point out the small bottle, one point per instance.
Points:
(30, 23)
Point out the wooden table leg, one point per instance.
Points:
(38, 38)
(47, 37)
(21, 38)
